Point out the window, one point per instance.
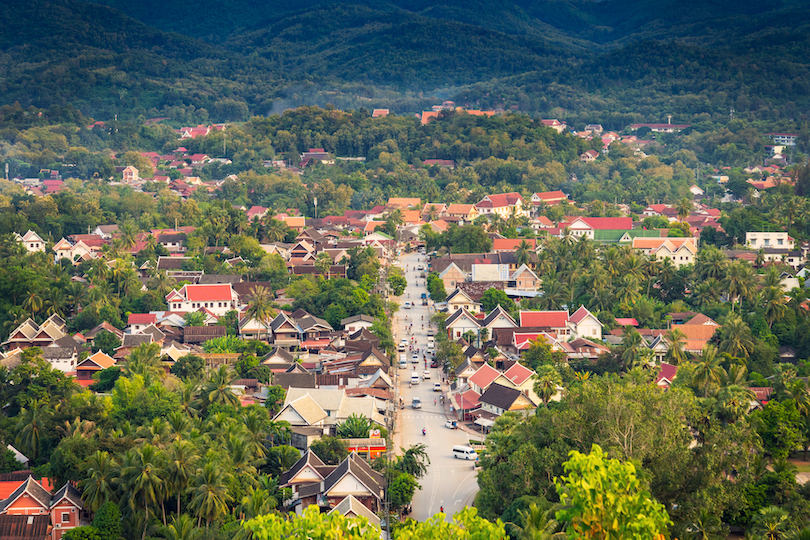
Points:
(767, 241)
(779, 241)
(65, 517)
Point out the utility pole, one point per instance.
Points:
(315, 200)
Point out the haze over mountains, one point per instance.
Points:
(612, 60)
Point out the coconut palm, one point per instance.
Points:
(141, 480)
(259, 307)
(772, 523)
(706, 525)
(733, 402)
(675, 353)
(706, 292)
(735, 337)
(739, 282)
(774, 303)
(181, 527)
(144, 360)
(523, 253)
(708, 371)
(323, 262)
(536, 524)
(414, 460)
(217, 389)
(255, 423)
(97, 484)
(209, 489)
(711, 263)
(33, 302)
(684, 208)
(32, 424)
(160, 282)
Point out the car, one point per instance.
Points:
(431, 331)
(434, 364)
(437, 387)
(416, 403)
(420, 267)
(415, 358)
(451, 424)
(403, 344)
(407, 305)
(426, 374)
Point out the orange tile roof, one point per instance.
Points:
(460, 208)
(511, 244)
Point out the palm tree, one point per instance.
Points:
(182, 527)
(281, 458)
(523, 253)
(144, 360)
(356, 426)
(775, 304)
(75, 292)
(279, 430)
(736, 337)
(129, 234)
(255, 424)
(259, 307)
(141, 480)
(209, 490)
(739, 282)
(97, 485)
(706, 526)
(55, 302)
(180, 466)
(708, 371)
(160, 282)
(711, 263)
(33, 302)
(414, 460)
(323, 262)
(684, 208)
(217, 389)
(555, 293)
(32, 423)
(733, 402)
(257, 502)
(547, 380)
(772, 523)
(675, 353)
(536, 524)
(706, 292)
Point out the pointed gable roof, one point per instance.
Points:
(31, 488)
(495, 314)
(523, 268)
(68, 493)
(98, 361)
(351, 507)
(307, 408)
(459, 314)
(373, 481)
(581, 314)
(309, 459)
(518, 374)
(500, 396)
(484, 376)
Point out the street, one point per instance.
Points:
(449, 482)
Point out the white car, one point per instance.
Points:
(426, 374)
(407, 305)
(415, 359)
(403, 344)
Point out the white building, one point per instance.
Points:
(779, 239)
(218, 298)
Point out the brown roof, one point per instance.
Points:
(199, 334)
(33, 527)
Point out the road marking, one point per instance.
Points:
(462, 483)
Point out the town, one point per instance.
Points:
(438, 321)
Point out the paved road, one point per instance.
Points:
(449, 483)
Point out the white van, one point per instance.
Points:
(403, 364)
(414, 378)
(464, 452)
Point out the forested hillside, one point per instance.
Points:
(579, 60)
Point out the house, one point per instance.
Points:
(512, 244)
(130, 174)
(218, 298)
(353, 477)
(666, 375)
(585, 226)
(351, 507)
(451, 276)
(549, 198)
(137, 322)
(92, 365)
(555, 124)
(325, 408)
(582, 349)
(460, 322)
(357, 322)
(497, 399)
(757, 240)
(584, 324)
(695, 190)
(681, 251)
(74, 252)
(458, 299)
(379, 113)
(31, 241)
(551, 321)
(30, 334)
(463, 212)
(498, 318)
(589, 156)
(503, 204)
(524, 279)
(31, 499)
(403, 203)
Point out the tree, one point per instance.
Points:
(106, 342)
(708, 371)
(772, 523)
(546, 384)
(331, 450)
(414, 460)
(780, 426)
(275, 399)
(107, 521)
(356, 426)
(98, 483)
(735, 337)
(189, 367)
(401, 490)
(540, 354)
(31, 426)
(604, 499)
(217, 389)
(259, 307)
(496, 297)
(195, 318)
(397, 281)
(523, 253)
(281, 458)
(323, 262)
(86, 532)
(675, 353)
(775, 304)
(209, 490)
(140, 480)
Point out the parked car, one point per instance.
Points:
(426, 374)
(451, 424)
